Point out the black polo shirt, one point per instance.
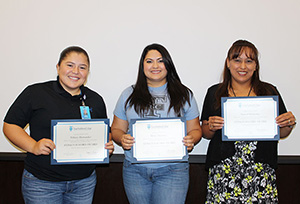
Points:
(37, 105)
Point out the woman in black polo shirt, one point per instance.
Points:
(36, 106)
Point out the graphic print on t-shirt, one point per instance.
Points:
(159, 105)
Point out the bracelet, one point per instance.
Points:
(292, 126)
(205, 123)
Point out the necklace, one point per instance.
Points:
(234, 92)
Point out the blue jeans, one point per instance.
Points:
(36, 191)
(168, 184)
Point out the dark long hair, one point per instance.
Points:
(141, 98)
(260, 88)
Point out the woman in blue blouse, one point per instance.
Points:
(158, 93)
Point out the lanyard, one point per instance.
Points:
(84, 110)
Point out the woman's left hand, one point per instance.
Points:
(189, 142)
(110, 147)
(286, 120)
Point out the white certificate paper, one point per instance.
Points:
(158, 140)
(250, 118)
(80, 141)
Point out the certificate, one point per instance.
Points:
(158, 140)
(250, 118)
(80, 141)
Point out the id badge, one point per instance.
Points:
(85, 112)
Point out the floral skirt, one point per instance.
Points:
(239, 179)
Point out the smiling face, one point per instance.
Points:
(241, 68)
(154, 69)
(73, 71)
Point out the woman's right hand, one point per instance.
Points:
(215, 123)
(127, 141)
(43, 147)
(18, 136)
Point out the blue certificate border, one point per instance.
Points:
(71, 121)
(154, 160)
(226, 138)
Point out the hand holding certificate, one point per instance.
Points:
(250, 118)
(80, 141)
(158, 140)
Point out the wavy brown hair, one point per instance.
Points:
(141, 98)
(260, 88)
